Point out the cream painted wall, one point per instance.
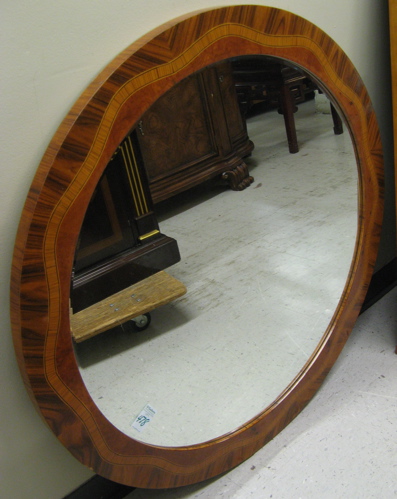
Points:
(50, 51)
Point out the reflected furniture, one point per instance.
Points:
(275, 84)
(193, 133)
(120, 242)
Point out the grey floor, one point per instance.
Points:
(264, 269)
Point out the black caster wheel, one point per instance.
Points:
(137, 324)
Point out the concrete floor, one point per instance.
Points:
(264, 270)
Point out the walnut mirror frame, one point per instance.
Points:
(61, 191)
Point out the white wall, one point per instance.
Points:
(50, 50)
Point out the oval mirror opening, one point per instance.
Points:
(264, 267)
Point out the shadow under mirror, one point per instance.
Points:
(264, 270)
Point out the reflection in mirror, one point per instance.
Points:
(264, 270)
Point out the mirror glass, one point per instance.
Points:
(264, 269)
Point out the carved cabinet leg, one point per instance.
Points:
(238, 177)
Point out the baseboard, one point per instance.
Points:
(384, 280)
(100, 488)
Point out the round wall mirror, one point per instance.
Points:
(273, 275)
(264, 267)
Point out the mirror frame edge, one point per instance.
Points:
(61, 190)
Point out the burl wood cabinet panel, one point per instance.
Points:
(195, 132)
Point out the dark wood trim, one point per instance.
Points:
(98, 487)
(123, 270)
(383, 281)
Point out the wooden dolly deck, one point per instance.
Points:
(136, 300)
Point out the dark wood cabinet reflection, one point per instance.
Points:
(120, 241)
(195, 132)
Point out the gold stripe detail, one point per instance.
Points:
(134, 178)
(149, 234)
